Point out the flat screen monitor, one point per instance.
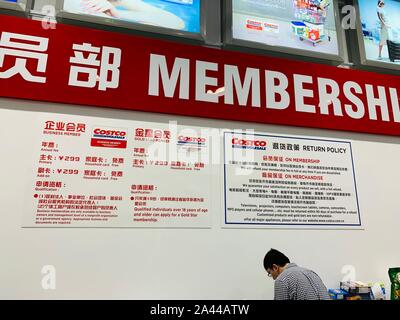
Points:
(379, 33)
(178, 15)
(17, 7)
(306, 27)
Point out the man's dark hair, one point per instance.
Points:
(275, 257)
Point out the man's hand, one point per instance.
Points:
(100, 6)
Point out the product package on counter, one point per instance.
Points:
(394, 275)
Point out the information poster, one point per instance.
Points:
(277, 181)
(181, 15)
(95, 172)
(381, 30)
(298, 24)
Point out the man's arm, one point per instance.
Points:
(281, 290)
(381, 20)
(99, 6)
(140, 11)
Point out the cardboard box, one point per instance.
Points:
(337, 294)
(355, 287)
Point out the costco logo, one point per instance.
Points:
(254, 25)
(194, 141)
(249, 144)
(109, 138)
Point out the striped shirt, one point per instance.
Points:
(296, 283)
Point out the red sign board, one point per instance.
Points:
(77, 65)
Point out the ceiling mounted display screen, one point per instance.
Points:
(296, 24)
(380, 24)
(181, 15)
(17, 7)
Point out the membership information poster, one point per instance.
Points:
(96, 172)
(279, 181)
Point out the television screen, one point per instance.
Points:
(183, 15)
(380, 25)
(298, 24)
